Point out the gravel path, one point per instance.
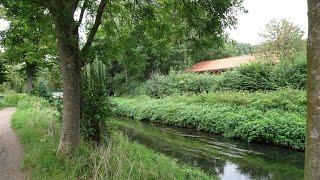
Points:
(10, 148)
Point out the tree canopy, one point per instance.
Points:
(282, 39)
(160, 33)
(29, 39)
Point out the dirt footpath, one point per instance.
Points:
(10, 148)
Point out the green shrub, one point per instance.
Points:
(12, 99)
(278, 117)
(180, 83)
(42, 91)
(266, 76)
(291, 74)
(256, 76)
(284, 130)
(288, 100)
(95, 103)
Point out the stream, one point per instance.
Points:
(227, 158)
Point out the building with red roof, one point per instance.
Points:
(220, 65)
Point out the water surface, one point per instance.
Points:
(229, 159)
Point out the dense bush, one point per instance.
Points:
(252, 77)
(2, 73)
(257, 76)
(180, 83)
(267, 76)
(42, 91)
(95, 104)
(12, 99)
(291, 74)
(274, 117)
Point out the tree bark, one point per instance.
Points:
(149, 68)
(71, 62)
(70, 134)
(69, 53)
(30, 71)
(312, 151)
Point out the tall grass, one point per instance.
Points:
(38, 127)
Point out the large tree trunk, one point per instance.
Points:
(30, 71)
(149, 68)
(70, 134)
(66, 28)
(69, 53)
(312, 152)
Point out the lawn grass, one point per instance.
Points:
(38, 127)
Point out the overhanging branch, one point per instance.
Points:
(95, 26)
(83, 9)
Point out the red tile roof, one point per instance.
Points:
(221, 64)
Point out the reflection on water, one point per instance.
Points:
(231, 172)
(229, 159)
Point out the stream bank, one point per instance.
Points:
(227, 158)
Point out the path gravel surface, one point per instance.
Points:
(10, 148)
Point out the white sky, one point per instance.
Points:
(3, 24)
(262, 11)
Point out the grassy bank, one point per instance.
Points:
(9, 99)
(271, 117)
(38, 127)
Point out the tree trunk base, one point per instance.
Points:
(64, 148)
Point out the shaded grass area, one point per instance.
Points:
(38, 127)
(272, 117)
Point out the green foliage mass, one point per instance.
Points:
(14, 78)
(12, 99)
(30, 37)
(273, 117)
(28, 42)
(38, 127)
(282, 40)
(50, 78)
(267, 76)
(142, 38)
(2, 73)
(95, 104)
(178, 83)
(257, 76)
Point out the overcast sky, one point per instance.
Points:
(3, 24)
(262, 11)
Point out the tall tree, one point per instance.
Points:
(68, 17)
(282, 40)
(71, 62)
(312, 152)
(26, 42)
(147, 38)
